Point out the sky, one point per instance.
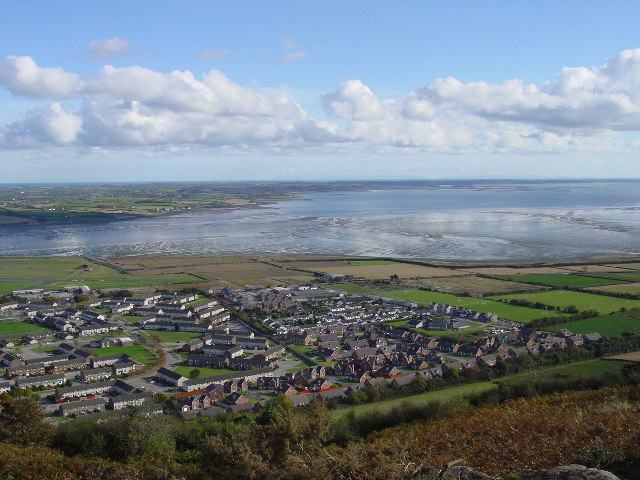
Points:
(142, 90)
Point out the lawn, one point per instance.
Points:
(138, 352)
(583, 301)
(560, 280)
(606, 325)
(7, 287)
(351, 288)
(8, 328)
(175, 337)
(511, 312)
(204, 372)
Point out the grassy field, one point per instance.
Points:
(445, 394)
(583, 301)
(573, 370)
(204, 372)
(174, 337)
(472, 285)
(8, 287)
(54, 267)
(8, 328)
(630, 288)
(138, 352)
(511, 312)
(606, 325)
(560, 280)
(622, 277)
(512, 270)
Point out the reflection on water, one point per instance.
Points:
(534, 223)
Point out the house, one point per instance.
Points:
(236, 386)
(124, 368)
(272, 353)
(300, 339)
(129, 400)
(319, 384)
(168, 376)
(201, 383)
(108, 360)
(268, 383)
(388, 371)
(470, 351)
(42, 381)
(214, 392)
(81, 407)
(591, 337)
(95, 374)
(450, 347)
(286, 389)
(233, 352)
(438, 324)
(26, 370)
(236, 398)
(344, 369)
(360, 376)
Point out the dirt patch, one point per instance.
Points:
(626, 357)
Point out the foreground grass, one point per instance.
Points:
(511, 312)
(572, 370)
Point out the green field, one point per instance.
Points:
(204, 372)
(55, 267)
(8, 287)
(572, 370)
(511, 312)
(559, 280)
(138, 352)
(8, 328)
(445, 394)
(625, 277)
(629, 288)
(606, 325)
(583, 301)
(133, 281)
(174, 337)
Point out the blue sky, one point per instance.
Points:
(208, 90)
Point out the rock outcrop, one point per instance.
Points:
(566, 472)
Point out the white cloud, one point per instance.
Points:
(50, 125)
(107, 48)
(293, 57)
(212, 54)
(21, 76)
(582, 109)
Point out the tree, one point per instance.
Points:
(22, 421)
(195, 373)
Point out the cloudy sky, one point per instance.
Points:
(254, 90)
